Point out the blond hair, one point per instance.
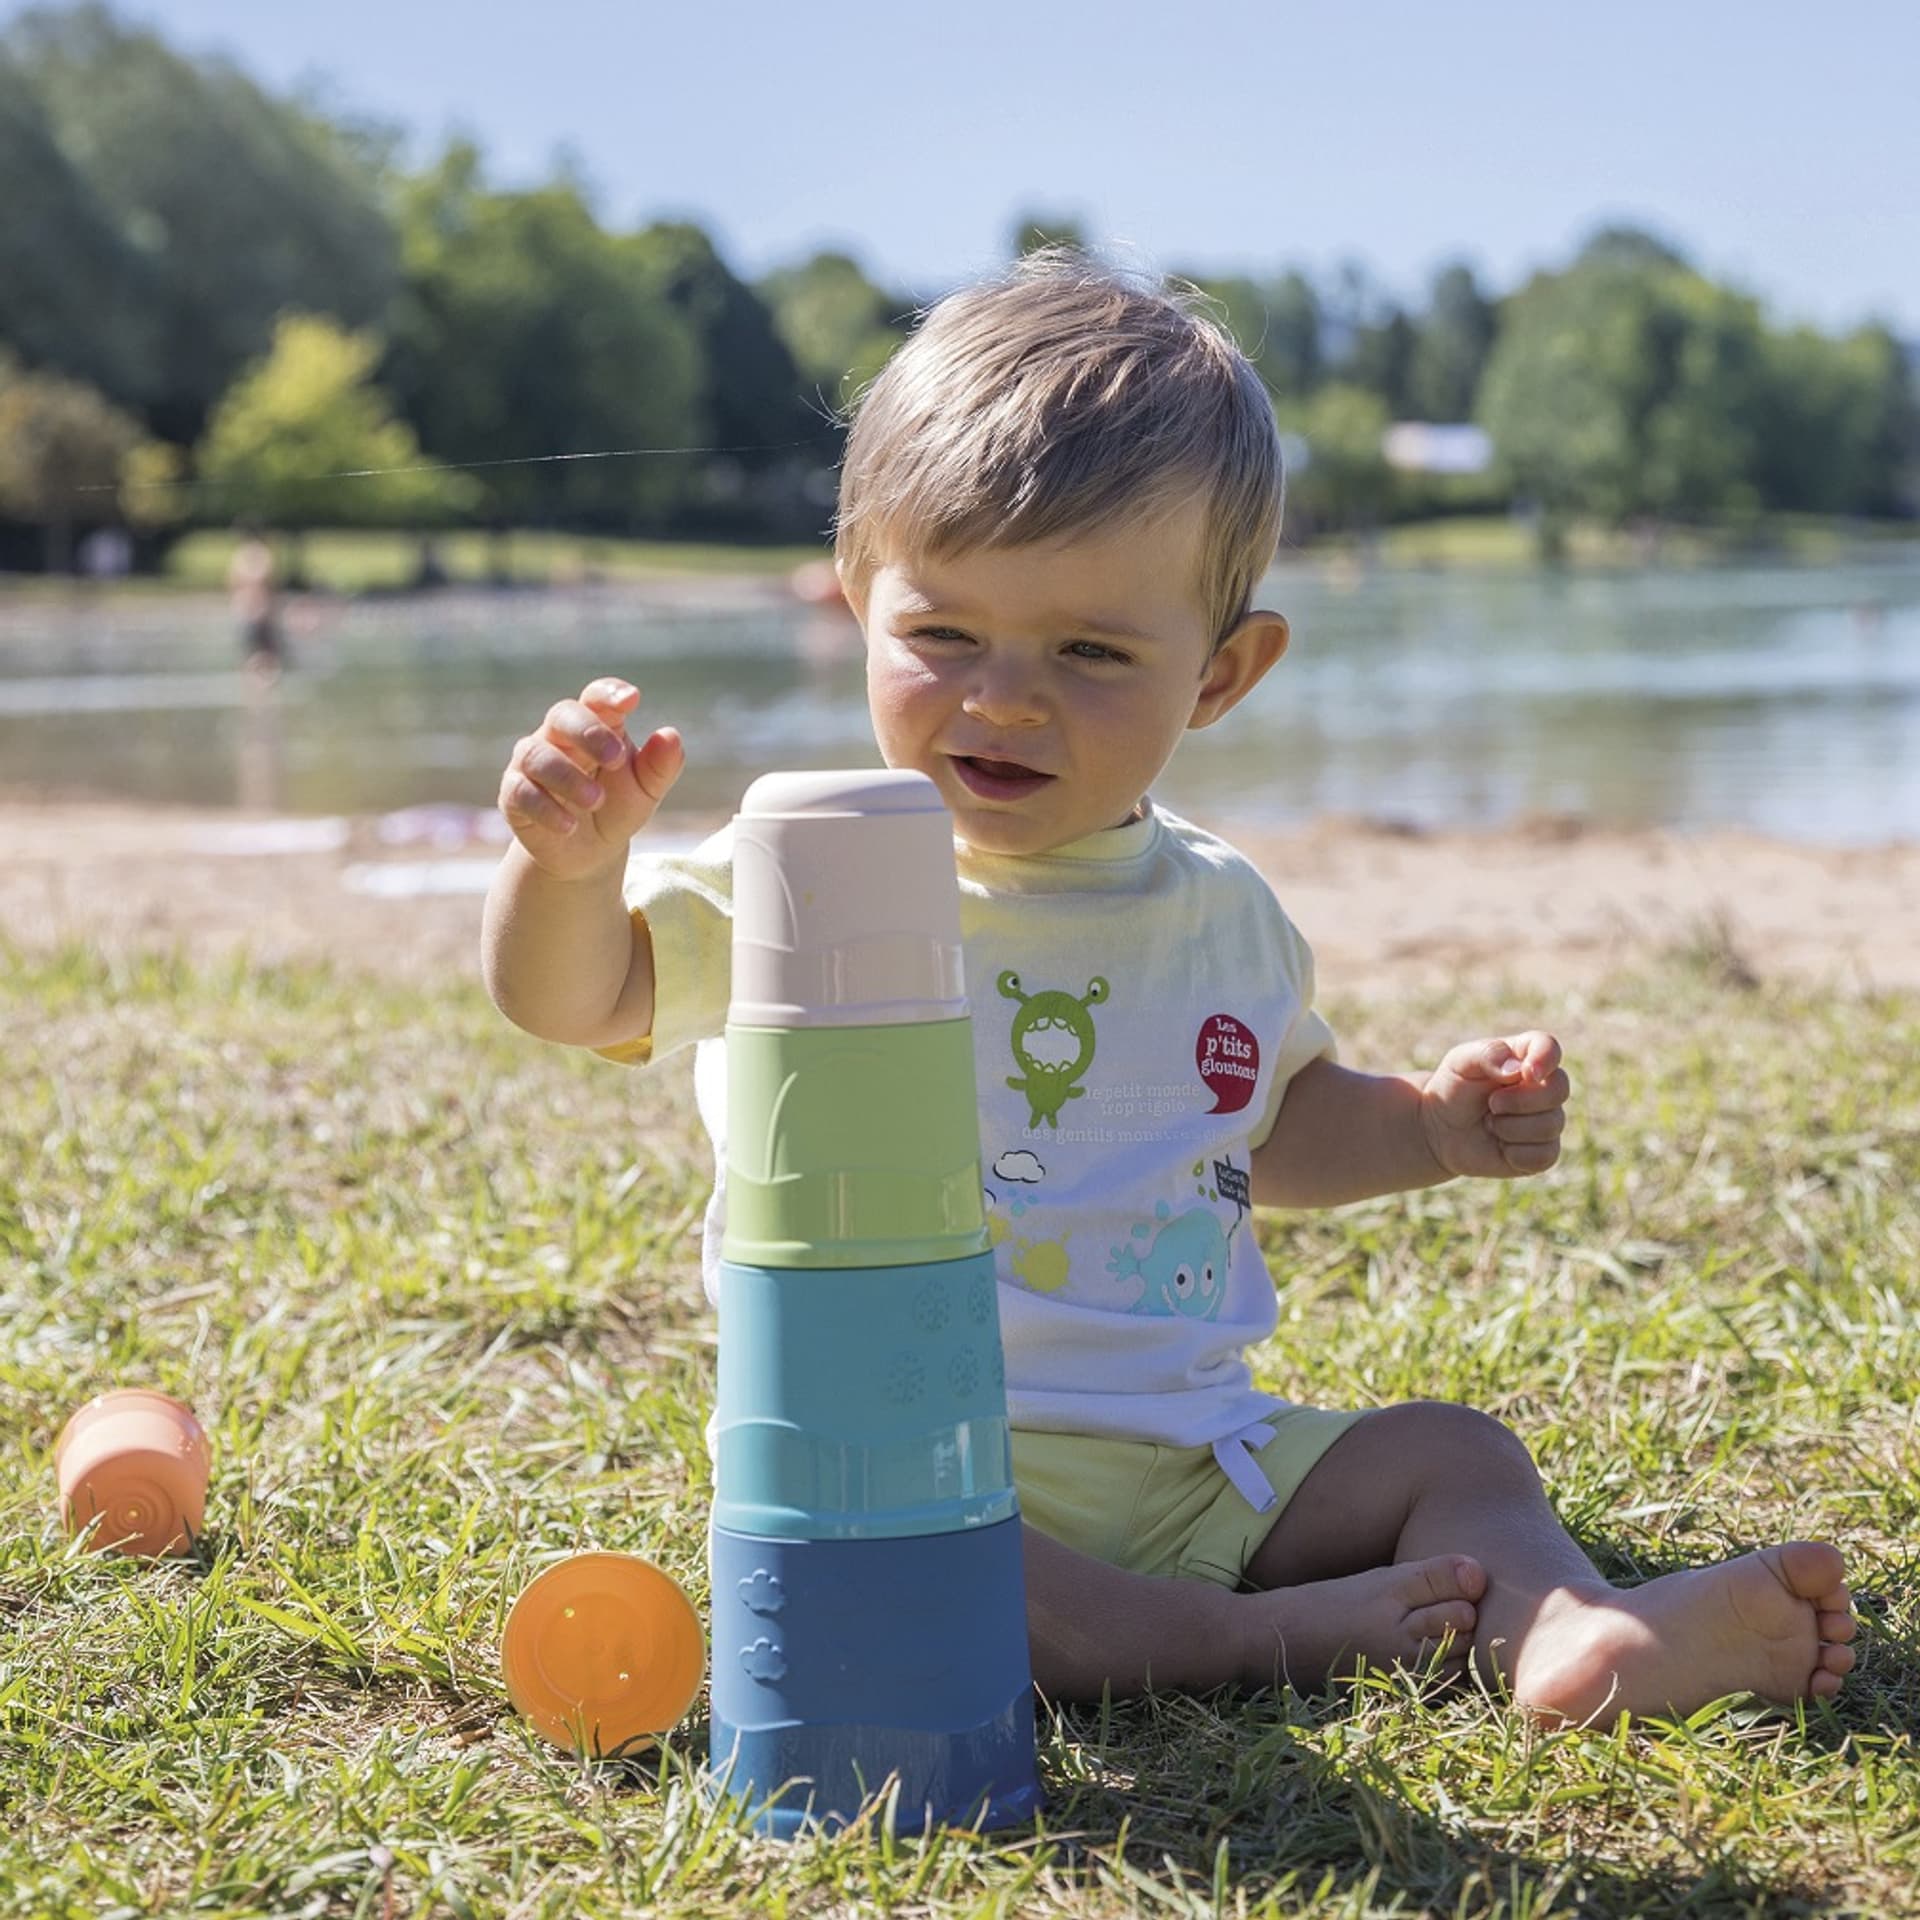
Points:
(1060, 396)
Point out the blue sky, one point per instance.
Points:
(1777, 143)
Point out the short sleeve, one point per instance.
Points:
(685, 901)
(1308, 1036)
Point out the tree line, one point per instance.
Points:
(215, 301)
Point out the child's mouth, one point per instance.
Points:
(997, 779)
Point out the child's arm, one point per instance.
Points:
(561, 955)
(1494, 1108)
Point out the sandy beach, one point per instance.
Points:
(1549, 904)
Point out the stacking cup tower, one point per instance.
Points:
(869, 1616)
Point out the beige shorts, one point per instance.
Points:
(1165, 1510)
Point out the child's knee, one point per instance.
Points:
(1449, 1441)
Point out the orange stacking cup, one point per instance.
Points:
(602, 1652)
(136, 1462)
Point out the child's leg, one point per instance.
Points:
(1091, 1626)
(1428, 1477)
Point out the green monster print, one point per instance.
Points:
(1053, 1040)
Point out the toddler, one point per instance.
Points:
(1057, 503)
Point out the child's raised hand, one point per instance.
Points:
(1497, 1107)
(576, 789)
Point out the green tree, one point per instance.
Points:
(1837, 431)
(1033, 230)
(524, 330)
(1625, 387)
(237, 205)
(1346, 481)
(65, 451)
(1456, 335)
(750, 387)
(75, 293)
(1631, 250)
(840, 328)
(310, 410)
(750, 398)
(1277, 326)
(1293, 355)
(153, 485)
(1381, 359)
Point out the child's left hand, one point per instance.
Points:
(1497, 1107)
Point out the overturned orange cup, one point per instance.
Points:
(602, 1652)
(135, 1462)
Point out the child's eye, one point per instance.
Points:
(1098, 650)
(938, 633)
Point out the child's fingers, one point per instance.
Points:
(1531, 1098)
(1531, 1159)
(526, 805)
(1484, 1060)
(1538, 1053)
(557, 775)
(612, 702)
(591, 739)
(611, 692)
(657, 762)
(1527, 1129)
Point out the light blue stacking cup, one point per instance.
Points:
(862, 1404)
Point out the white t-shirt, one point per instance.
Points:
(1139, 1004)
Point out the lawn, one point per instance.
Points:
(349, 561)
(435, 1289)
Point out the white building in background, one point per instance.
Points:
(1420, 446)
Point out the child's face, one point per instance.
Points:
(1042, 688)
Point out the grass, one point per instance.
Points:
(352, 561)
(343, 560)
(435, 1288)
(1500, 542)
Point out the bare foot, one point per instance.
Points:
(1398, 1616)
(1774, 1623)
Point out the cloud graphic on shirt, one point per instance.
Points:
(1022, 1166)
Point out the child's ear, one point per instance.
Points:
(844, 574)
(1240, 663)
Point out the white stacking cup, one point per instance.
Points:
(846, 910)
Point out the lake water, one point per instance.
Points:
(1784, 699)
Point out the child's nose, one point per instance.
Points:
(1005, 697)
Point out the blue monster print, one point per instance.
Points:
(1184, 1270)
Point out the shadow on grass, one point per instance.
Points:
(1333, 1799)
(1240, 1803)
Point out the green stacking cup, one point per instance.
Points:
(852, 1146)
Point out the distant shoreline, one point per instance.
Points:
(342, 561)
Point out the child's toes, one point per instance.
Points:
(1447, 1576)
(1431, 1625)
(1838, 1628)
(1812, 1570)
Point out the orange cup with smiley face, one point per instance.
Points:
(133, 1467)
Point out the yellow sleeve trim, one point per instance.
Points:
(629, 1053)
(632, 1053)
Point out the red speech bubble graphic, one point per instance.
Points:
(1228, 1057)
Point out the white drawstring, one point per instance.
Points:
(1235, 1455)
